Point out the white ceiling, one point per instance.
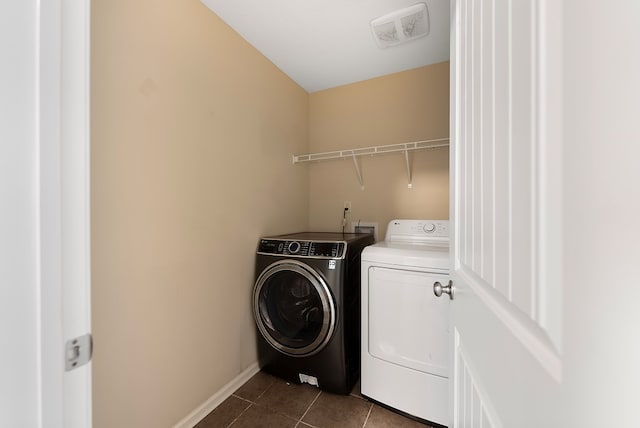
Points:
(321, 44)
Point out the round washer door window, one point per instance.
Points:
(293, 308)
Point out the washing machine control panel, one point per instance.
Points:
(313, 249)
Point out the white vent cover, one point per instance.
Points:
(401, 26)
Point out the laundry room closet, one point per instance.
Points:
(192, 137)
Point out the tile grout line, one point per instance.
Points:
(265, 390)
(308, 408)
(241, 413)
(251, 403)
(243, 399)
(368, 414)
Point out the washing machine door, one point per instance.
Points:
(293, 308)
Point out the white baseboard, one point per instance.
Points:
(214, 401)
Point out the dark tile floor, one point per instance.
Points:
(266, 401)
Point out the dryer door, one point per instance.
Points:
(408, 324)
(293, 308)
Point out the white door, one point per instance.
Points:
(545, 238)
(44, 221)
(506, 318)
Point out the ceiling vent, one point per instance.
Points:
(401, 26)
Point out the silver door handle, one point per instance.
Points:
(438, 289)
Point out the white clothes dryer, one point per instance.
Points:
(405, 327)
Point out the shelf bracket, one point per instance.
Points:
(408, 162)
(355, 163)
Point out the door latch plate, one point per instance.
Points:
(78, 352)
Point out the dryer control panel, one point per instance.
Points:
(312, 249)
(418, 231)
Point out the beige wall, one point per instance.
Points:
(192, 133)
(403, 107)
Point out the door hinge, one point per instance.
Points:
(78, 351)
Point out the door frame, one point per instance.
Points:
(63, 141)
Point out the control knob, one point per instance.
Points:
(294, 247)
(429, 227)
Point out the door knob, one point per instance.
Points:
(438, 289)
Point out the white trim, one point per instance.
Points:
(550, 172)
(216, 399)
(74, 34)
(51, 288)
(523, 328)
(49, 332)
(454, 171)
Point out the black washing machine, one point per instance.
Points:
(306, 304)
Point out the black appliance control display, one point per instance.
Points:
(316, 249)
(325, 249)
